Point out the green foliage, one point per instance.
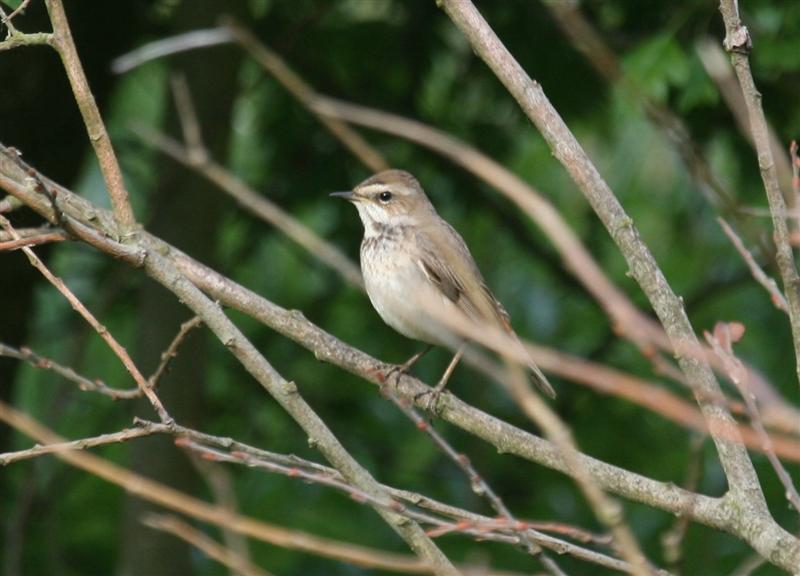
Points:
(407, 58)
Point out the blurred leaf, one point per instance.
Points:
(657, 64)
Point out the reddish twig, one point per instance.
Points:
(33, 239)
(83, 383)
(725, 335)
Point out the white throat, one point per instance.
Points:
(376, 219)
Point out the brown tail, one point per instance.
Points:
(540, 380)
(537, 376)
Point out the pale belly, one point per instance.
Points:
(398, 290)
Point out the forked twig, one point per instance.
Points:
(78, 306)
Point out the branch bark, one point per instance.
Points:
(98, 136)
(97, 228)
(745, 498)
(738, 43)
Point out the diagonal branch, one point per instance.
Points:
(101, 330)
(210, 547)
(745, 495)
(254, 202)
(94, 226)
(98, 136)
(738, 43)
(177, 501)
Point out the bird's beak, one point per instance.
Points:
(349, 196)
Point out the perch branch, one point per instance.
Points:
(745, 495)
(88, 221)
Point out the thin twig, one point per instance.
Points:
(738, 43)
(32, 240)
(98, 136)
(208, 546)
(172, 499)
(7, 458)
(190, 123)
(85, 384)
(759, 275)
(673, 539)
(255, 203)
(172, 350)
(95, 227)
(168, 46)
(745, 489)
(722, 343)
(718, 68)
(112, 343)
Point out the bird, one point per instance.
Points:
(411, 259)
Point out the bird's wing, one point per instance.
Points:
(447, 263)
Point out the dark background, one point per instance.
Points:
(404, 57)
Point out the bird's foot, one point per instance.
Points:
(431, 405)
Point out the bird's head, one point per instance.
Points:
(389, 198)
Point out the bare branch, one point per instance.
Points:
(172, 350)
(31, 237)
(87, 219)
(168, 46)
(98, 136)
(101, 330)
(256, 203)
(172, 499)
(7, 458)
(738, 43)
(29, 356)
(760, 276)
(745, 490)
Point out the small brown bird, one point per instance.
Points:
(411, 258)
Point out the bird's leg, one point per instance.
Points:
(398, 371)
(437, 390)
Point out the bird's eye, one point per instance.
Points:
(385, 196)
